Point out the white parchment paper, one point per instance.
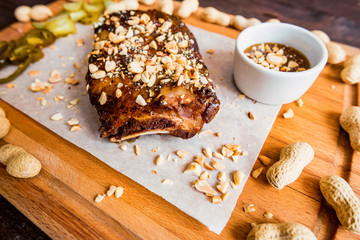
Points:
(232, 121)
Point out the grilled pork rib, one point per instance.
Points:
(146, 76)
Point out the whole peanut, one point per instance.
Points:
(350, 122)
(22, 13)
(293, 158)
(123, 5)
(167, 6)
(351, 74)
(187, 7)
(40, 13)
(212, 15)
(355, 59)
(4, 126)
(147, 2)
(8, 151)
(336, 54)
(342, 198)
(2, 112)
(273, 20)
(240, 22)
(280, 231)
(19, 163)
(322, 36)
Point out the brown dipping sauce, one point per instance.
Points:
(278, 57)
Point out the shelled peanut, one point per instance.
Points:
(212, 15)
(350, 122)
(342, 198)
(293, 158)
(278, 231)
(19, 163)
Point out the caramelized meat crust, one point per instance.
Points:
(146, 76)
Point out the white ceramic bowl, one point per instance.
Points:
(270, 86)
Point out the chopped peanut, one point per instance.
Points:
(256, 173)
(181, 154)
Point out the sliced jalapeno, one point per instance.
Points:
(22, 66)
(39, 37)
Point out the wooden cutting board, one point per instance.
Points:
(60, 200)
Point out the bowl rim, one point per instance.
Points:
(301, 30)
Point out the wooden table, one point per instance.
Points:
(72, 214)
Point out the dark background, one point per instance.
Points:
(340, 19)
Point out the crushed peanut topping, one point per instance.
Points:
(137, 150)
(193, 169)
(218, 134)
(111, 191)
(210, 51)
(140, 100)
(181, 154)
(72, 81)
(56, 117)
(80, 42)
(119, 192)
(251, 116)
(209, 167)
(204, 175)
(73, 121)
(103, 98)
(167, 182)
(159, 160)
(37, 85)
(288, 114)
(204, 187)
(249, 208)
(33, 73)
(218, 155)
(55, 76)
(153, 53)
(300, 102)
(75, 128)
(123, 147)
(221, 176)
(199, 160)
(256, 173)
(99, 198)
(223, 186)
(207, 152)
(216, 199)
(265, 160)
(217, 165)
(268, 215)
(225, 196)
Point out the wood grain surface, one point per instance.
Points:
(60, 200)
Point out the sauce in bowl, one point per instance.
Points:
(278, 57)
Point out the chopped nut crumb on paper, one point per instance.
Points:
(232, 121)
